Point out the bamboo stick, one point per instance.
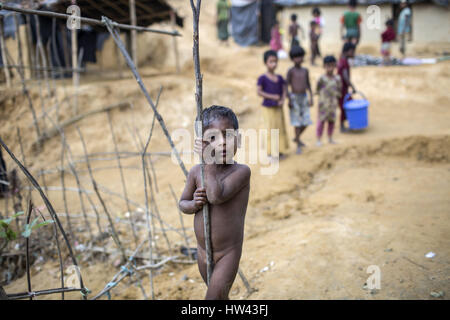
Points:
(198, 98)
(133, 32)
(3, 53)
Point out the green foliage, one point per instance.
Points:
(5, 229)
(6, 232)
(30, 227)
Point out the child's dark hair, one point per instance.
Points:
(352, 3)
(218, 112)
(296, 51)
(329, 60)
(293, 17)
(390, 22)
(316, 11)
(270, 53)
(348, 46)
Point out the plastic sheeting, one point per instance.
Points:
(244, 24)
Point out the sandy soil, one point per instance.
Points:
(379, 197)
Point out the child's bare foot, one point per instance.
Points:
(318, 144)
(331, 141)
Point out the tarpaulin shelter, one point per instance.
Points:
(251, 21)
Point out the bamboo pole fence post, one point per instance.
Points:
(75, 74)
(3, 53)
(133, 32)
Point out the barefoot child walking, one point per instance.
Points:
(298, 82)
(272, 87)
(329, 90)
(226, 191)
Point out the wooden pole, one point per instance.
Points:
(19, 44)
(199, 127)
(75, 73)
(4, 57)
(30, 56)
(175, 42)
(133, 32)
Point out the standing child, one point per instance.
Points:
(317, 17)
(272, 88)
(351, 23)
(275, 37)
(226, 191)
(294, 28)
(348, 51)
(329, 90)
(223, 16)
(314, 36)
(298, 81)
(386, 38)
(404, 25)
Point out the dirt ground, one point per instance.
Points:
(378, 198)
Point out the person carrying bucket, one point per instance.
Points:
(348, 51)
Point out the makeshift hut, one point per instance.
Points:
(56, 37)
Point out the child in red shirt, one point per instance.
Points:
(386, 38)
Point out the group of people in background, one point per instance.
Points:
(297, 89)
(350, 31)
(332, 87)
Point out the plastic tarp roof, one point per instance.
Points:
(244, 24)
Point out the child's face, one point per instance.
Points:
(329, 68)
(298, 60)
(221, 140)
(272, 63)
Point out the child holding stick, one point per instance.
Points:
(226, 191)
(329, 91)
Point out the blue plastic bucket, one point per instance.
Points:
(356, 111)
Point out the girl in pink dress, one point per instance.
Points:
(275, 37)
